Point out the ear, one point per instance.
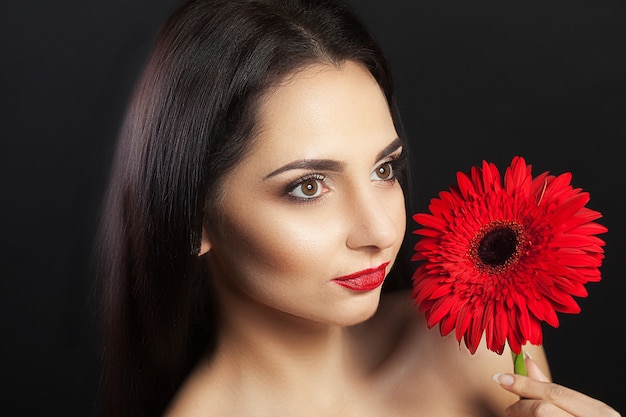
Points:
(205, 243)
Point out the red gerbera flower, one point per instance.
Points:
(503, 257)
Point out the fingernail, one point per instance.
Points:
(504, 379)
(527, 355)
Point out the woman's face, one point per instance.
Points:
(314, 200)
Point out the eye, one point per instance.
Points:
(384, 172)
(307, 188)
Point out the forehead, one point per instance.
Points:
(321, 107)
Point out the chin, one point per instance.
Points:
(359, 309)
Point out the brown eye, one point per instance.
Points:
(309, 187)
(384, 171)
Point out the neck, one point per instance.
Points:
(279, 349)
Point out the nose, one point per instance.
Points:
(374, 220)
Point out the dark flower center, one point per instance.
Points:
(497, 246)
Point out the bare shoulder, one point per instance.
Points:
(442, 368)
(398, 313)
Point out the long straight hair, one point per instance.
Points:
(189, 122)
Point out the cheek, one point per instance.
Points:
(270, 243)
(277, 244)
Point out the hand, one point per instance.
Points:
(540, 397)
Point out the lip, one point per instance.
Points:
(365, 280)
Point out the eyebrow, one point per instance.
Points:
(389, 149)
(329, 164)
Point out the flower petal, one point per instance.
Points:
(506, 298)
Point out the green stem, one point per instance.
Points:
(518, 363)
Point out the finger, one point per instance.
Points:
(534, 371)
(526, 407)
(566, 399)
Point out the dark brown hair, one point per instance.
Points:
(190, 120)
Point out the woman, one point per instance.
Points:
(255, 209)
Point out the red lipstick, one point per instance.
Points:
(365, 280)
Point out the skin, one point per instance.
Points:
(294, 343)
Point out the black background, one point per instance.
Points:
(475, 80)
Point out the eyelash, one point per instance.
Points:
(396, 162)
(298, 183)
